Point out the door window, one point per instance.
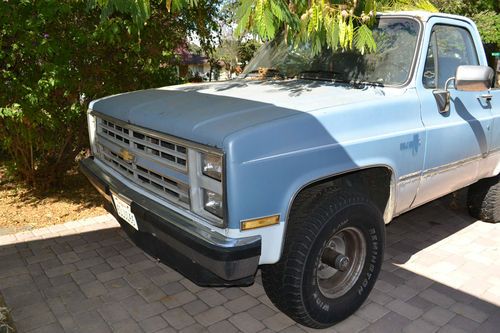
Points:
(449, 48)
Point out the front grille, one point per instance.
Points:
(158, 151)
(163, 150)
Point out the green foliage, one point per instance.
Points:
(322, 23)
(408, 5)
(57, 56)
(466, 7)
(235, 52)
(227, 51)
(139, 10)
(363, 39)
(485, 13)
(488, 23)
(204, 15)
(246, 50)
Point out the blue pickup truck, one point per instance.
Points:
(296, 166)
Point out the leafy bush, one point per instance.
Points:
(488, 23)
(485, 13)
(56, 56)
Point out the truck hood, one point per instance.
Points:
(207, 113)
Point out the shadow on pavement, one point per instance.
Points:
(97, 281)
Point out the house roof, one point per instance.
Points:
(194, 59)
(188, 58)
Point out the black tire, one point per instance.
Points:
(294, 284)
(483, 199)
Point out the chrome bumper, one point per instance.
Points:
(205, 257)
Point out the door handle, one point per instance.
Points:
(487, 97)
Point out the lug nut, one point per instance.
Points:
(342, 262)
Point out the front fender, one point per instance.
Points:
(269, 164)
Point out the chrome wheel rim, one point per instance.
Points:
(341, 262)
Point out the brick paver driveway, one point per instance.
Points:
(441, 273)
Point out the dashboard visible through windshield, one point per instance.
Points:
(396, 39)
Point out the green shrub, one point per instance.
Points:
(56, 56)
(488, 23)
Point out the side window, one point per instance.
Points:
(449, 48)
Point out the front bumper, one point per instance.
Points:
(205, 257)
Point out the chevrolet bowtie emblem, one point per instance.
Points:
(126, 155)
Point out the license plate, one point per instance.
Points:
(123, 210)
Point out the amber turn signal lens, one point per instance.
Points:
(260, 222)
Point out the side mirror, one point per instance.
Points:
(443, 100)
(467, 78)
(442, 97)
(473, 78)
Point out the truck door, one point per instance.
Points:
(493, 165)
(457, 140)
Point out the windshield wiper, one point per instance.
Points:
(319, 75)
(265, 73)
(330, 76)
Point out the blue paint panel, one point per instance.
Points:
(313, 145)
(207, 114)
(195, 116)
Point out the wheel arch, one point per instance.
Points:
(386, 203)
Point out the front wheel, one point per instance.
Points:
(332, 255)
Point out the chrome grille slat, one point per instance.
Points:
(160, 148)
(114, 137)
(118, 136)
(146, 154)
(164, 182)
(176, 159)
(118, 164)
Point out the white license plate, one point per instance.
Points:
(123, 210)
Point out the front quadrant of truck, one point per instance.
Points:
(296, 166)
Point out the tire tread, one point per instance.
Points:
(483, 199)
(282, 281)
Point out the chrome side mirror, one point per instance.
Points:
(473, 78)
(467, 78)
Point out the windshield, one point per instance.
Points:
(396, 40)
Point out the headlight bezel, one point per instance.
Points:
(201, 181)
